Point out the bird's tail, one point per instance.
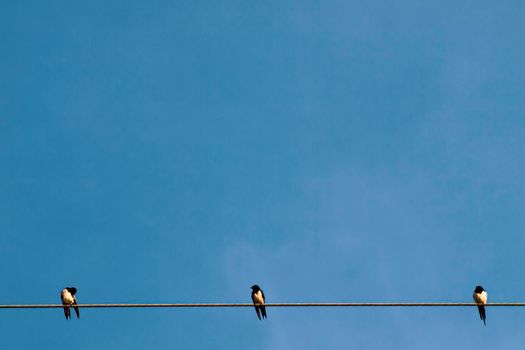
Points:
(263, 311)
(482, 314)
(67, 313)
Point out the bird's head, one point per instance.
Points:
(255, 288)
(479, 289)
(72, 290)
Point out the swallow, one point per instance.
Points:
(258, 301)
(480, 297)
(68, 298)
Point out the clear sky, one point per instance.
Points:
(181, 151)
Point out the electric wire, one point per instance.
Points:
(235, 305)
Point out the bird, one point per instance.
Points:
(68, 298)
(258, 301)
(480, 297)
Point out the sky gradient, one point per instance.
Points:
(326, 150)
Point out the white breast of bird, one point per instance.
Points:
(258, 298)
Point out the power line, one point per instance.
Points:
(233, 305)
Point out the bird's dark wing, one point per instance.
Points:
(482, 313)
(262, 293)
(263, 311)
(67, 313)
(258, 312)
(77, 311)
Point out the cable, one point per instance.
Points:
(230, 305)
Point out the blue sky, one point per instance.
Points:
(329, 151)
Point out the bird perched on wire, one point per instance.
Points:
(68, 298)
(258, 301)
(480, 297)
